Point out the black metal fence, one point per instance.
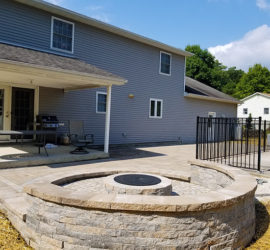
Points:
(234, 141)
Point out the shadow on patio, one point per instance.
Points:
(26, 154)
(125, 152)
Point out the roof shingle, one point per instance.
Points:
(38, 58)
(196, 87)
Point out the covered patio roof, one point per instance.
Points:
(23, 66)
(29, 68)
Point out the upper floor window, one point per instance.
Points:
(165, 63)
(101, 100)
(266, 111)
(155, 108)
(62, 35)
(245, 111)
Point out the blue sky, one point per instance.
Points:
(237, 32)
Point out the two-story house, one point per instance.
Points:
(55, 61)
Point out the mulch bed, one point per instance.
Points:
(10, 239)
(261, 239)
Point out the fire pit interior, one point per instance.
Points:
(137, 179)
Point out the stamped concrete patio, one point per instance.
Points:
(158, 158)
(172, 157)
(12, 181)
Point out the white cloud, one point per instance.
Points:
(263, 4)
(101, 17)
(97, 12)
(56, 2)
(253, 48)
(94, 7)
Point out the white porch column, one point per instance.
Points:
(107, 121)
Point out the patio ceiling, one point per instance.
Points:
(23, 67)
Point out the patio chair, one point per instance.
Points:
(41, 143)
(78, 138)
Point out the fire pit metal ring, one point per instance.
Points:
(138, 183)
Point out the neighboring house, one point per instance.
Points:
(54, 61)
(257, 104)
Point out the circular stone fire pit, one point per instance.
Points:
(208, 206)
(138, 183)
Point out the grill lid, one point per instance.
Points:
(47, 118)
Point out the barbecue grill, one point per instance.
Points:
(48, 122)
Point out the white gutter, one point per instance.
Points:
(210, 98)
(101, 25)
(114, 80)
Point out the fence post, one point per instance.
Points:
(259, 144)
(197, 137)
(225, 145)
(264, 135)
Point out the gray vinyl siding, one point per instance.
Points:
(195, 107)
(136, 62)
(25, 26)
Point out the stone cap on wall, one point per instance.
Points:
(48, 189)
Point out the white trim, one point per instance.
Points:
(257, 93)
(24, 74)
(100, 93)
(6, 109)
(11, 84)
(8, 104)
(161, 108)
(72, 42)
(209, 98)
(161, 73)
(107, 119)
(7, 64)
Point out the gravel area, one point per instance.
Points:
(186, 188)
(91, 185)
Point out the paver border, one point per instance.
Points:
(48, 189)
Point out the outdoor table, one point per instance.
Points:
(21, 133)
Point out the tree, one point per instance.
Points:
(257, 79)
(199, 66)
(204, 67)
(234, 75)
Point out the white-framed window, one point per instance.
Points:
(245, 111)
(155, 108)
(62, 35)
(212, 114)
(165, 63)
(266, 111)
(101, 101)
